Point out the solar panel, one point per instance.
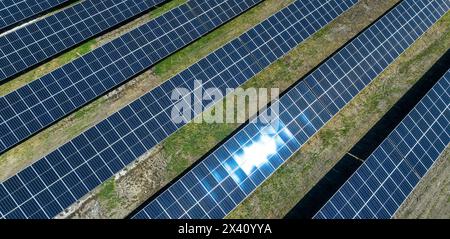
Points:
(380, 186)
(77, 167)
(220, 182)
(15, 11)
(43, 39)
(44, 101)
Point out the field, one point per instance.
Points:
(120, 195)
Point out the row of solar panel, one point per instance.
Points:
(232, 172)
(46, 100)
(15, 11)
(68, 173)
(381, 185)
(39, 41)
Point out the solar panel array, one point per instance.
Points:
(67, 174)
(48, 99)
(387, 177)
(227, 176)
(39, 41)
(15, 11)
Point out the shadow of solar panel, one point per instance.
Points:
(388, 176)
(37, 105)
(229, 174)
(15, 11)
(54, 34)
(103, 150)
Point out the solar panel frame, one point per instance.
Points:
(13, 12)
(220, 159)
(396, 167)
(105, 159)
(44, 101)
(44, 39)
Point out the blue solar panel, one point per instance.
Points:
(43, 39)
(98, 153)
(387, 177)
(229, 174)
(44, 101)
(15, 11)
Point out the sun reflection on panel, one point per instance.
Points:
(258, 152)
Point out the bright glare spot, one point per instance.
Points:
(257, 154)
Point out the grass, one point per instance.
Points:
(327, 137)
(158, 11)
(108, 195)
(203, 46)
(47, 67)
(192, 141)
(435, 47)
